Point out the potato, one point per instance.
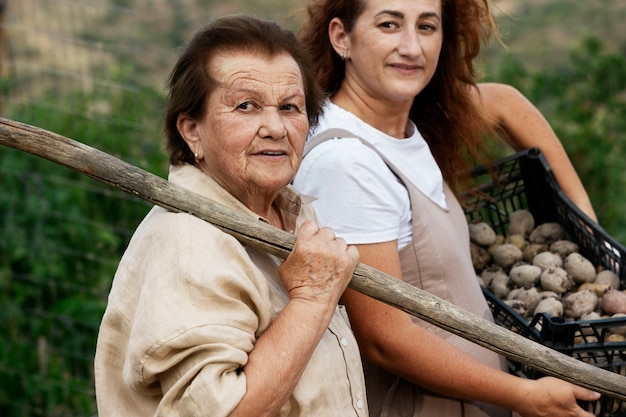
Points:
(490, 272)
(566, 275)
(521, 222)
(518, 306)
(556, 279)
(533, 249)
(498, 281)
(548, 294)
(546, 260)
(499, 241)
(594, 315)
(480, 257)
(547, 233)
(614, 337)
(482, 234)
(516, 240)
(563, 248)
(580, 268)
(599, 289)
(500, 285)
(550, 306)
(608, 277)
(621, 330)
(613, 302)
(530, 297)
(525, 276)
(506, 255)
(579, 303)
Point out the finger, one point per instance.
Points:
(309, 228)
(327, 233)
(353, 252)
(586, 395)
(341, 244)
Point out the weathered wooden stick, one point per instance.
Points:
(369, 281)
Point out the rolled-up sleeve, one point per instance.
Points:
(200, 309)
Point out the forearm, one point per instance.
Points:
(280, 356)
(315, 274)
(525, 127)
(427, 360)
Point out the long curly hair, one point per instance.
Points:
(452, 123)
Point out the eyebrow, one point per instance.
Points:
(400, 15)
(255, 94)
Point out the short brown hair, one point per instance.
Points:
(190, 85)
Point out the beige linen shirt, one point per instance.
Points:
(186, 306)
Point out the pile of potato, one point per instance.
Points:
(534, 269)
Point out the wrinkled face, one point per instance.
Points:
(252, 136)
(394, 48)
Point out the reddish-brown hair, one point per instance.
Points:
(449, 119)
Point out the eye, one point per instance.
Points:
(246, 106)
(389, 25)
(427, 27)
(290, 107)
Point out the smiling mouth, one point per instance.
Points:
(272, 153)
(406, 67)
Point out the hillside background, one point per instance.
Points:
(94, 71)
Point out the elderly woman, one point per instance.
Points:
(198, 323)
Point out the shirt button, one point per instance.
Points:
(344, 342)
(359, 404)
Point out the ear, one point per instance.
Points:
(189, 130)
(339, 38)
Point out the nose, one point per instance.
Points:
(410, 44)
(272, 126)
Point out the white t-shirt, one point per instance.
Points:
(357, 194)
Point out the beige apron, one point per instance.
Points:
(438, 261)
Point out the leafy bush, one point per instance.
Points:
(63, 234)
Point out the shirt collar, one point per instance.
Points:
(289, 201)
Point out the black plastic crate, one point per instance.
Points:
(525, 181)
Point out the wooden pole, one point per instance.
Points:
(133, 180)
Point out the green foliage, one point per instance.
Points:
(63, 235)
(585, 103)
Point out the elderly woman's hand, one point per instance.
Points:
(320, 266)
